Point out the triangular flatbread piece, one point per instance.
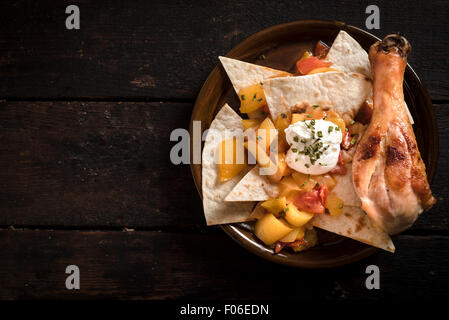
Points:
(253, 187)
(355, 224)
(216, 210)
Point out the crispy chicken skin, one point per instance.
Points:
(388, 173)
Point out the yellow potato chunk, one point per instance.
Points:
(258, 153)
(231, 155)
(250, 123)
(266, 134)
(296, 217)
(288, 187)
(269, 229)
(252, 98)
(325, 179)
(282, 169)
(334, 204)
(275, 205)
(295, 234)
(334, 117)
(281, 123)
(304, 181)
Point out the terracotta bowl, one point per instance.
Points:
(280, 47)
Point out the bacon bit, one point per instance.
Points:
(340, 167)
(321, 49)
(323, 191)
(281, 245)
(309, 201)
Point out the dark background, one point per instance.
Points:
(85, 119)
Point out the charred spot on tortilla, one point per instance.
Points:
(300, 107)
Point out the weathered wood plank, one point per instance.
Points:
(169, 265)
(151, 49)
(97, 164)
(94, 164)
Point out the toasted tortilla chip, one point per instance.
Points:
(253, 187)
(244, 74)
(344, 189)
(339, 91)
(355, 224)
(347, 55)
(216, 210)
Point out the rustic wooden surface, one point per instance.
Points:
(85, 119)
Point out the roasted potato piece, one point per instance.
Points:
(275, 205)
(251, 123)
(270, 229)
(232, 156)
(252, 98)
(304, 181)
(334, 204)
(295, 217)
(266, 134)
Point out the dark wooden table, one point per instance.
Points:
(86, 179)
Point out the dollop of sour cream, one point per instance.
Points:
(314, 146)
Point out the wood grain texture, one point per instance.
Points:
(135, 49)
(94, 164)
(156, 265)
(106, 164)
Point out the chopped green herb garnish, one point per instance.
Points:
(322, 164)
(312, 122)
(283, 115)
(337, 128)
(294, 150)
(320, 134)
(346, 129)
(242, 97)
(316, 106)
(353, 141)
(340, 206)
(307, 165)
(308, 115)
(254, 97)
(261, 83)
(259, 138)
(330, 129)
(303, 140)
(260, 99)
(352, 122)
(262, 57)
(295, 138)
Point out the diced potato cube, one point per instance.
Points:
(250, 123)
(266, 134)
(281, 123)
(304, 181)
(334, 204)
(231, 154)
(296, 233)
(258, 153)
(334, 117)
(269, 229)
(252, 98)
(288, 187)
(282, 169)
(275, 205)
(295, 217)
(325, 179)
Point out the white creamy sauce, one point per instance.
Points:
(314, 146)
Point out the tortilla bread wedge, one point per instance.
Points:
(339, 91)
(244, 74)
(253, 187)
(216, 210)
(355, 224)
